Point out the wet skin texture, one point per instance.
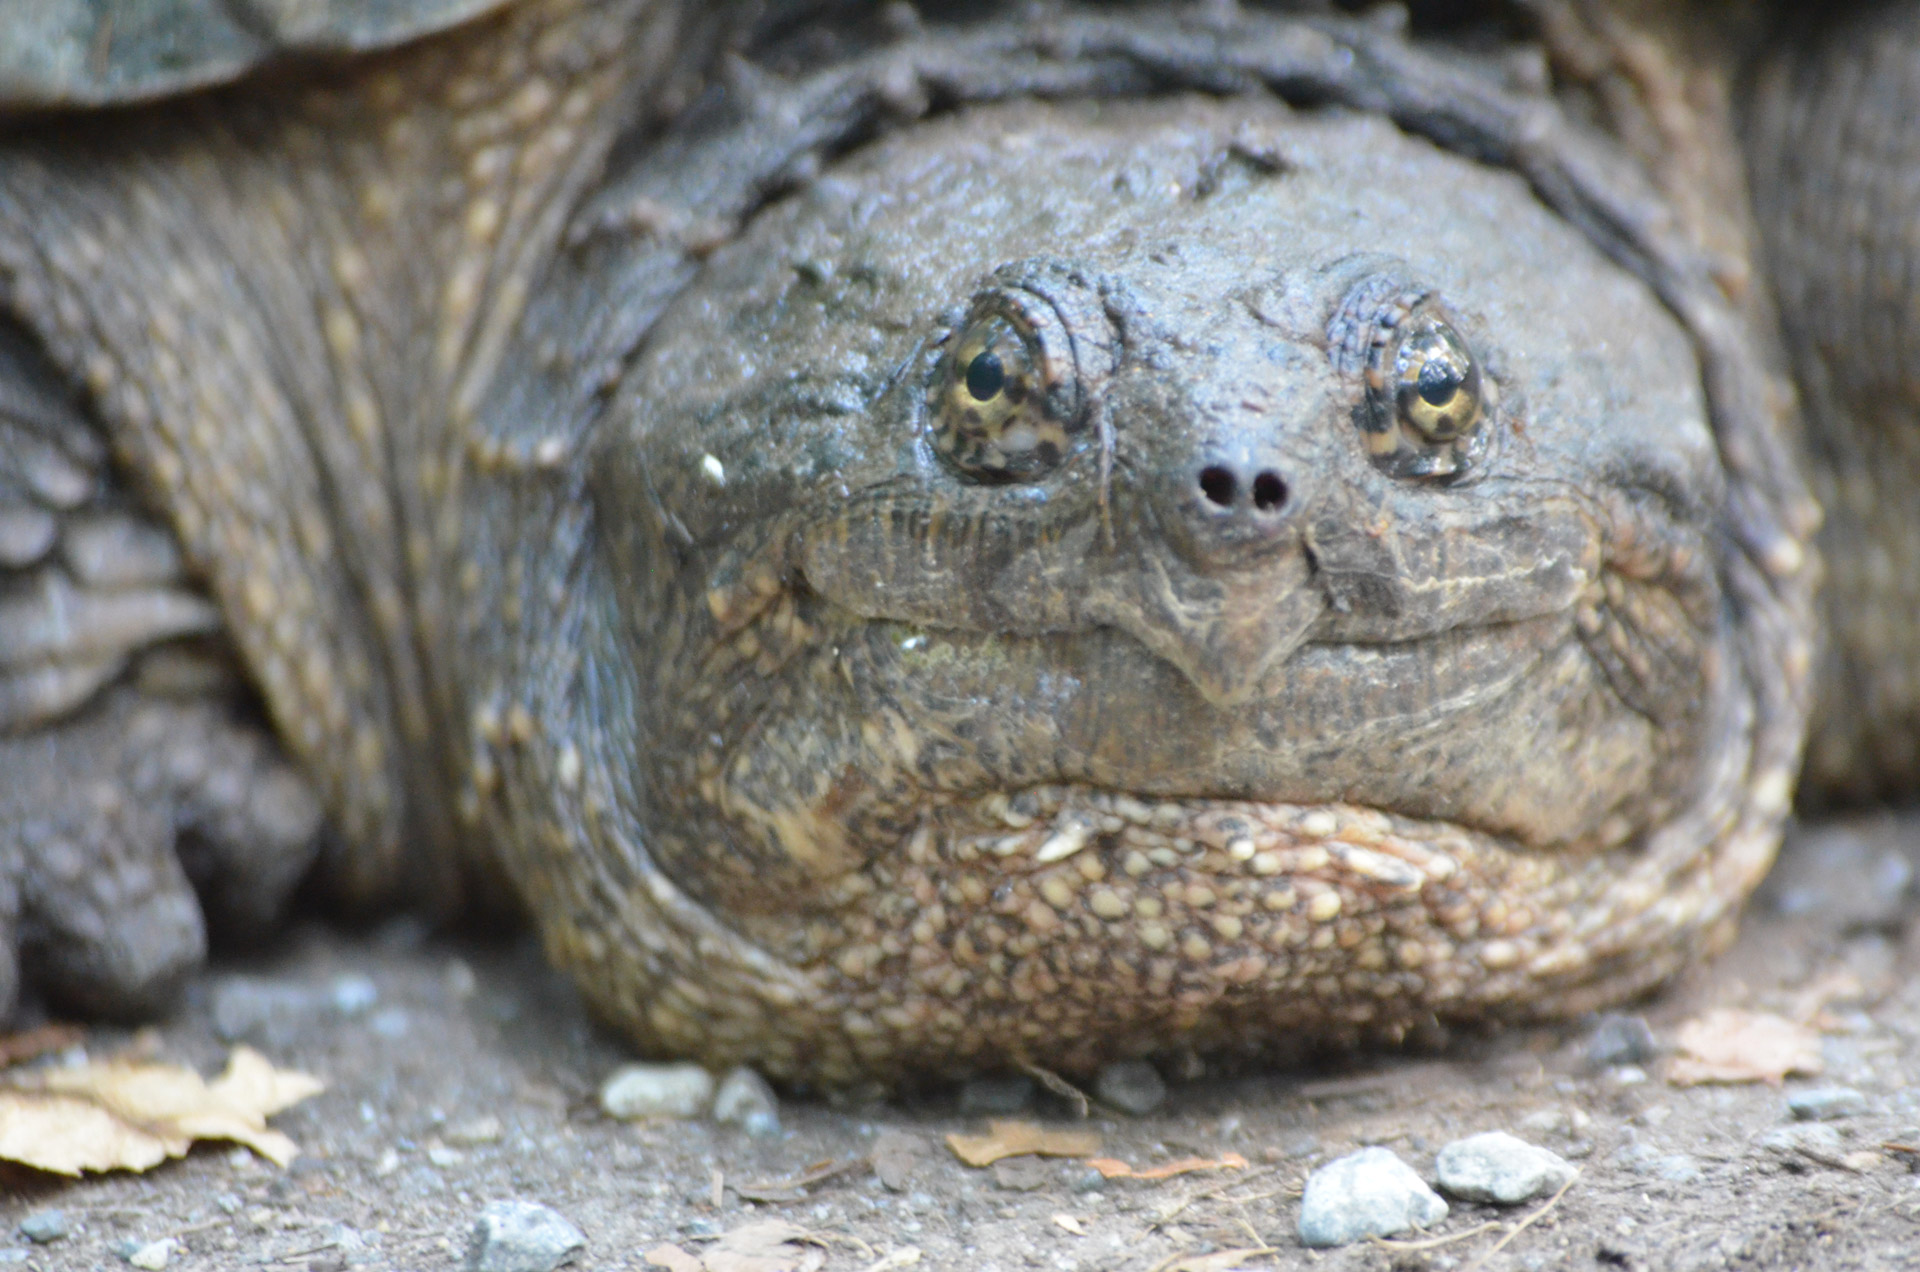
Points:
(977, 551)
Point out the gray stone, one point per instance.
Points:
(747, 1101)
(150, 1256)
(1620, 1040)
(1132, 1086)
(1678, 1168)
(1001, 1094)
(252, 1009)
(1371, 1193)
(1799, 1144)
(353, 995)
(1823, 1104)
(1500, 1168)
(638, 1091)
(521, 1236)
(44, 1227)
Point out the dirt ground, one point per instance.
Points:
(462, 1072)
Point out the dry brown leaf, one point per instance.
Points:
(1729, 1045)
(673, 1259)
(1012, 1138)
(129, 1115)
(1113, 1168)
(766, 1245)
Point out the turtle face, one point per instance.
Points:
(1096, 572)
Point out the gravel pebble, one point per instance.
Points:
(1620, 1039)
(1499, 1167)
(745, 1099)
(521, 1236)
(44, 1227)
(1371, 1193)
(253, 1009)
(150, 1256)
(1811, 1141)
(1823, 1104)
(1678, 1168)
(638, 1091)
(1132, 1086)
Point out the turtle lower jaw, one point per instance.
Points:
(1067, 925)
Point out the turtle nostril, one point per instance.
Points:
(1219, 486)
(1269, 491)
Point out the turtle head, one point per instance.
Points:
(1091, 572)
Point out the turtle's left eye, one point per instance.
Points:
(1005, 402)
(1436, 382)
(1429, 404)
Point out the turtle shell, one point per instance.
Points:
(57, 54)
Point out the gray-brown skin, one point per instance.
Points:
(598, 504)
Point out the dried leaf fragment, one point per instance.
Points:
(131, 1115)
(1011, 1138)
(766, 1245)
(1113, 1168)
(1730, 1045)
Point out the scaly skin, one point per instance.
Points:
(606, 510)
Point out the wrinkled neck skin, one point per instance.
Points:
(1221, 719)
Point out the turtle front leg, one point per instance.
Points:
(138, 790)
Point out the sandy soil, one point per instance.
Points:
(469, 1072)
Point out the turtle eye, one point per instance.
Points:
(1436, 381)
(1428, 399)
(1004, 404)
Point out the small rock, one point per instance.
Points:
(15, 1254)
(1026, 1173)
(1678, 1168)
(521, 1236)
(44, 1227)
(897, 1157)
(481, 1130)
(1371, 1193)
(1001, 1094)
(391, 1022)
(443, 1157)
(152, 1255)
(1798, 1144)
(354, 995)
(251, 1009)
(1824, 1104)
(1132, 1086)
(638, 1091)
(1500, 1168)
(745, 1099)
(1619, 1039)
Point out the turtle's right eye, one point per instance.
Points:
(1006, 398)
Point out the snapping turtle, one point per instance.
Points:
(908, 538)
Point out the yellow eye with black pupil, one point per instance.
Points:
(1000, 404)
(1436, 381)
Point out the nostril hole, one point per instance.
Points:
(1269, 492)
(1218, 485)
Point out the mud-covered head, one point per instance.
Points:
(1089, 573)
